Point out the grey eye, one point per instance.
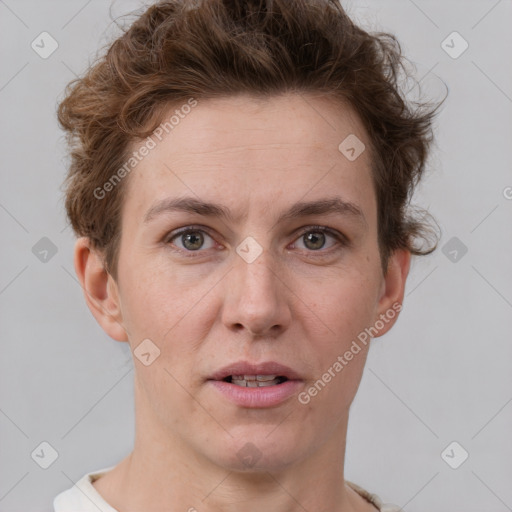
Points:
(191, 240)
(314, 240)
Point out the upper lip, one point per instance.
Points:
(264, 368)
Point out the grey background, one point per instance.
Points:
(443, 372)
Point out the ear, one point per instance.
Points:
(100, 290)
(392, 290)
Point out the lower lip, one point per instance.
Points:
(268, 396)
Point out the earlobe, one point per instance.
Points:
(100, 290)
(393, 288)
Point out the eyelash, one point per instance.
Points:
(339, 237)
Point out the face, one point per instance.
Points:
(285, 280)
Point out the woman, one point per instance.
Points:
(239, 180)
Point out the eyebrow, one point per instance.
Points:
(323, 206)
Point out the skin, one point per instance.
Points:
(290, 305)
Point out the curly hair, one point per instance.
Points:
(205, 49)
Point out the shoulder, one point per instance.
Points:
(83, 497)
(374, 499)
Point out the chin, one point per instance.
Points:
(259, 448)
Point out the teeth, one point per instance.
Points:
(260, 378)
(264, 378)
(255, 381)
(263, 384)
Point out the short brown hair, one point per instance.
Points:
(180, 49)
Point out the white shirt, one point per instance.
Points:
(83, 497)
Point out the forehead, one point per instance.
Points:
(249, 150)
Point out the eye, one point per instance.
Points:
(192, 239)
(314, 238)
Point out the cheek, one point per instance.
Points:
(150, 288)
(345, 303)
(173, 310)
(346, 307)
(341, 350)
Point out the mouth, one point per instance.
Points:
(262, 385)
(255, 381)
(252, 375)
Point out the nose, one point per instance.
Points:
(257, 298)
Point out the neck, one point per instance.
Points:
(166, 473)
